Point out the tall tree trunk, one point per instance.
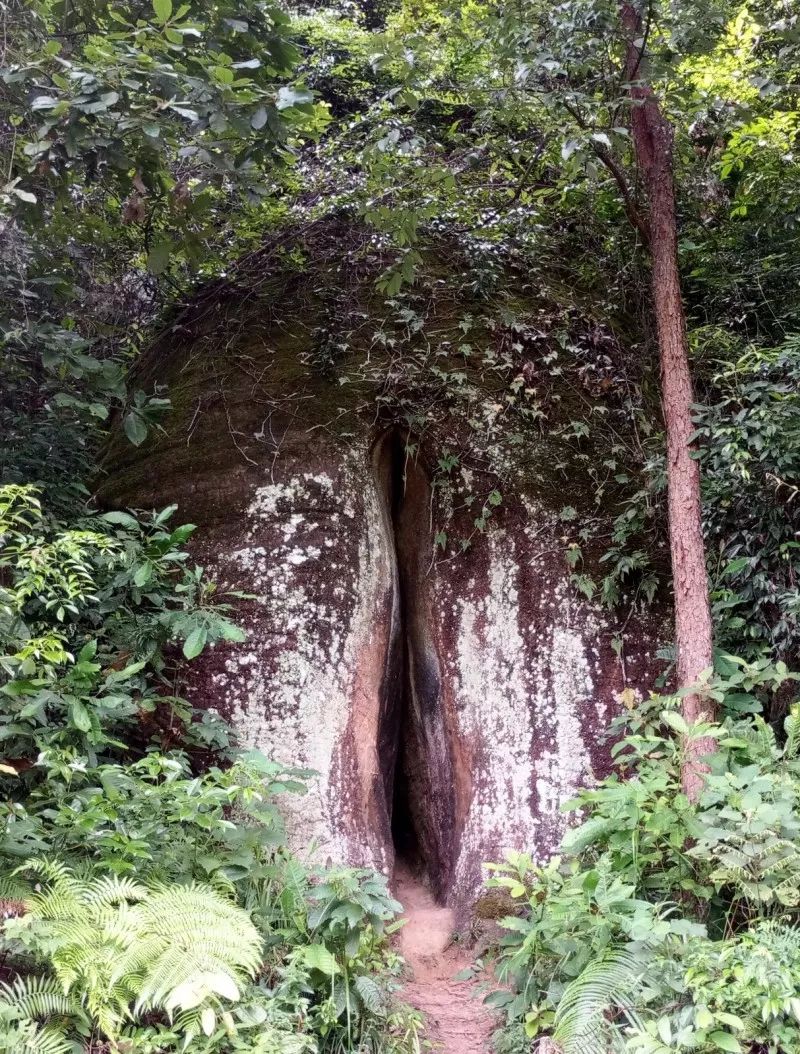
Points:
(652, 139)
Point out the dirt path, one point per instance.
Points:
(458, 1022)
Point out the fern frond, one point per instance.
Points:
(34, 998)
(174, 913)
(30, 1038)
(57, 875)
(791, 726)
(765, 737)
(778, 938)
(581, 1026)
(14, 888)
(112, 890)
(370, 993)
(129, 948)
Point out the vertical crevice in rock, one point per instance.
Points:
(414, 747)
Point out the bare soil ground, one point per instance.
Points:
(458, 1022)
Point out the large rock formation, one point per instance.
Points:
(446, 681)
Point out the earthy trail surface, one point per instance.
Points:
(458, 1022)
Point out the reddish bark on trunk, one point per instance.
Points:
(652, 140)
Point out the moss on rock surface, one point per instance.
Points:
(388, 477)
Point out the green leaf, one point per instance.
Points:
(143, 574)
(675, 721)
(80, 716)
(164, 515)
(123, 675)
(319, 958)
(725, 1041)
(124, 519)
(135, 427)
(735, 566)
(293, 97)
(195, 642)
(208, 1020)
(259, 118)
(88, 651)
(185, 111)
(163, 9)
(231, 632)
(703, 1017)
(158, 257)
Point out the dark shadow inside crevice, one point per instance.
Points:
(414, 750)
(405, 838)
(404, 833)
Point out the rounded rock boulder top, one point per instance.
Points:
(376, 473)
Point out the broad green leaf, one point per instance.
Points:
(288, 96)
(675, 721)
(319, 958)
(163, 9)
(80, 716)
(725, 1041)
(164, 515)
(143, 574)
(135, 427)
(158, 257)
(88, 651)
(223, 984)
(123, 675)
(231, 632)
(195, 642)
(185, 111)
(208, 1020)
(259, 118)
(124, 519)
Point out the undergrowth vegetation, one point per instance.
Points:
(665, 925)
(149, 897)
(150, 903)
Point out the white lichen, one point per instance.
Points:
(527, 704)
(290, 690)
(493, 699)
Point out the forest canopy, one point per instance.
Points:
(634, 167)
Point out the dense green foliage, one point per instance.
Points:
(679, 918)
(166, 909)
(147, 145)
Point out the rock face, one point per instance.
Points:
(447, 682)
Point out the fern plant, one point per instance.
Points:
(122, 949)
(32, 1012)
(583, 1024)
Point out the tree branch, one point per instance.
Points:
(632, 210)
